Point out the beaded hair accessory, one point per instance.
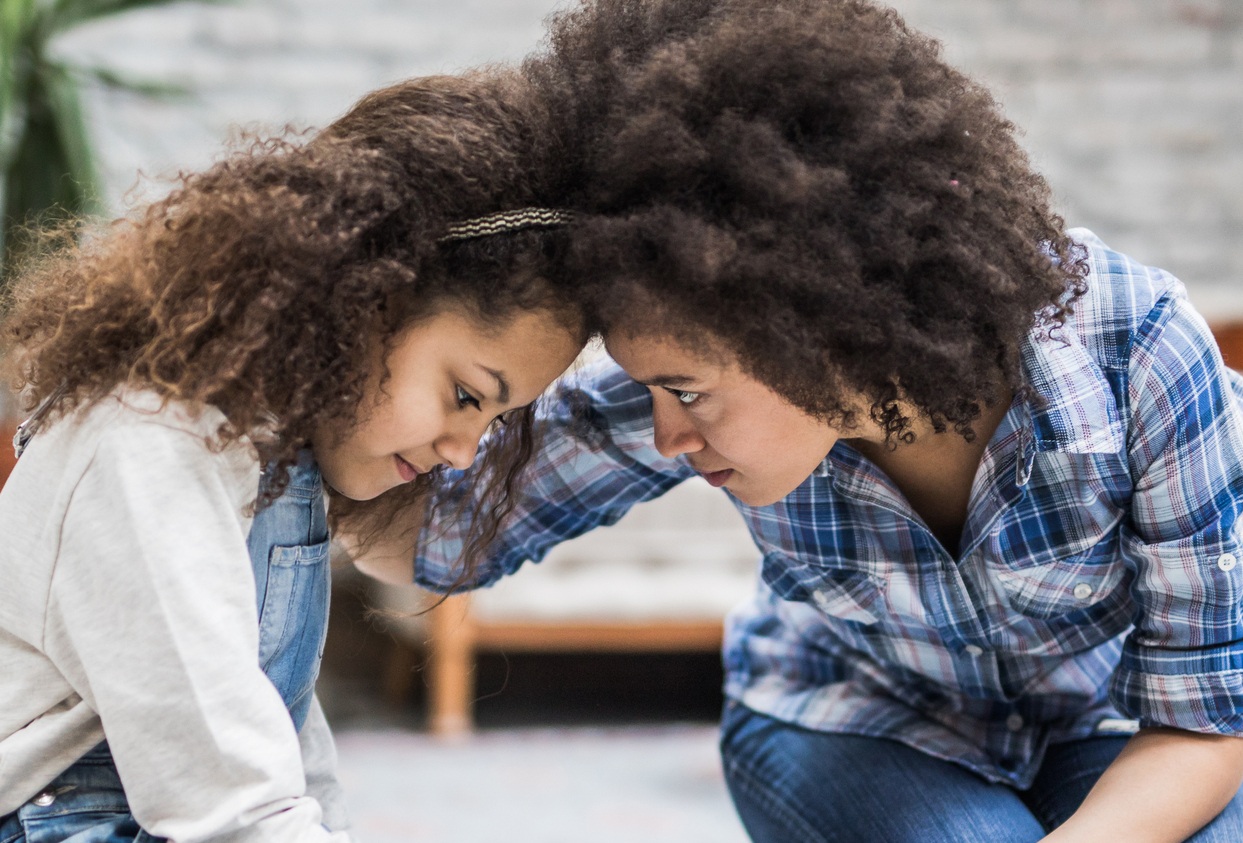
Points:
(503, 222)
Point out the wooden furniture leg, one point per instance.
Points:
(452, 667)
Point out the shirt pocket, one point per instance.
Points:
(293, 621)
(1053, 589)
(849, 594)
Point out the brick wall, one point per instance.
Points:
(1132, 108)
(1134, 111)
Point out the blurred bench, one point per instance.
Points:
(660, 580)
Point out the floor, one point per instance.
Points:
(568, 748)
(541, 785)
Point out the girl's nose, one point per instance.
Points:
(457, 448)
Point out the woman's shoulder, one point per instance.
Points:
(1121, 295)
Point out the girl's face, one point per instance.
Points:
(449, 379)
(734, 430)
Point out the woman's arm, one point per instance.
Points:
(1166, 784)
(596, 459)
(387, 555)
(1182, 540)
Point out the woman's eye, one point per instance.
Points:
(465, 399)
(683, 396)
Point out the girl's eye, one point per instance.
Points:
(465, 399)
(683, 396)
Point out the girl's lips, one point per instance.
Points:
(717, 478)
(407, 471)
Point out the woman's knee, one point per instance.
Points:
(1227, 827)
(790, 783)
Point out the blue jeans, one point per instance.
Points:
(84, 804)
(792, 784)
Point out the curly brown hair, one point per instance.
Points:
(807, 185)
(262, 285)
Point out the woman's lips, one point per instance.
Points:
(717, 478)
(407, 470)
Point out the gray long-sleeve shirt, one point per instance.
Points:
(128, 612)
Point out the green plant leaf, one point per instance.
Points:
(41, 175)
(16, 17)
(67, 117)
(47, 169)
(119, 81)
(52, 175)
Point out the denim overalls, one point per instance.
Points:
(288, 546)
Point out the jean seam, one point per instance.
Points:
(778, 807)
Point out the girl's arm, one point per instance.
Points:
(319, 761)
(151, 618)
(1166, 784)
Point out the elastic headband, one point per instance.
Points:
(503, 222)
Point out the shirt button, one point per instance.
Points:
(1227, 561)
(974, 651)
(1014, 722)
(1083, 591)
(44, 799)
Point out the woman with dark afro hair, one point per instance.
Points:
(994, 468)
(344, 315)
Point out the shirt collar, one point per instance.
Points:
(1079, 413)
(1074, 396)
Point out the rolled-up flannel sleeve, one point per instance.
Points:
(1182, 666)
(595, 460)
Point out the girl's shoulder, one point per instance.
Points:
(140, 427)
(137, 410)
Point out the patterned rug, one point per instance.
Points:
(655, 784)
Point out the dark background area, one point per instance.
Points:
(519, 689)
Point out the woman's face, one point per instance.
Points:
(734, 430)
(449, 379)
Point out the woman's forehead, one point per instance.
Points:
(659, 358)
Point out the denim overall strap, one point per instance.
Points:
(288, 546)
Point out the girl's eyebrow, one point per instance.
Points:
(502, 385)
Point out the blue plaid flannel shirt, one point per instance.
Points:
(1098, 582)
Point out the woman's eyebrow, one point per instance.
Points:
(668, 380)
(502, 385)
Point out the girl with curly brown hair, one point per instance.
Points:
(348, 314)
(994, 468)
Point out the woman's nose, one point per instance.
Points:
(675, 434)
